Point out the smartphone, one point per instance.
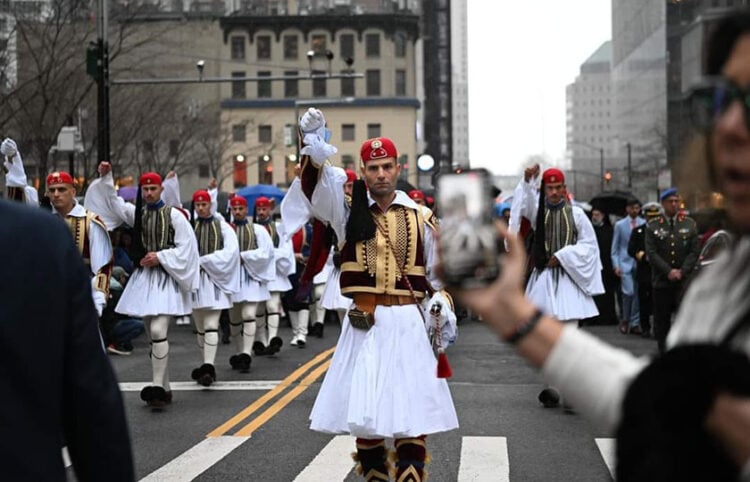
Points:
(469, 248)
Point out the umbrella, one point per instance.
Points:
(251, 193)
(611, 202)
(128, 193)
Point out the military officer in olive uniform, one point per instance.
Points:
(672, 247)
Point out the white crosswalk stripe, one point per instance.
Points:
(196, 460)
(190, 386)
(484, 459)
(607, 447)
(332, 463)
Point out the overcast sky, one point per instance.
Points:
(522, 55)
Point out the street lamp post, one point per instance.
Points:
(601, 160)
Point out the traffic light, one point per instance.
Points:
(93, 55)
(607, 177)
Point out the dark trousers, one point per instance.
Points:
(645, 300)
(666, 301)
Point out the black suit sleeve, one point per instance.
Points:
(635, 242)
(96, 431)
(693, 254)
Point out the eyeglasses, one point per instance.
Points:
(711, 99)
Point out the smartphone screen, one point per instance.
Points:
(469, 252)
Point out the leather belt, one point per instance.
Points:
(367, 300)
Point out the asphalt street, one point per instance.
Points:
(254, 426)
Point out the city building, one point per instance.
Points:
(589, 129)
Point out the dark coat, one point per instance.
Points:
(671, 247)
(637, 244)
(56, 384)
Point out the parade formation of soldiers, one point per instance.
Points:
(357, 249)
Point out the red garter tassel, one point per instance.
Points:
(444, 369)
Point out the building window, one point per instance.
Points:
(346, 46)
(264, 86)
(373, 130)
(263, 45)
(399, 44)
(291, 86)
(400, 82)
(347, 132)
(319, 44)
(319, 85)
(347, 161)
(291, 47)
(238, 48)
(204, 170)
(347, 85)
(372, 45)
(238, 133)
(238, 87)
(372, 82)
(264, 134)
(265, 169)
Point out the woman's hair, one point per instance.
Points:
(722, 39)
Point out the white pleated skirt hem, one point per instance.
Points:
(152, 292)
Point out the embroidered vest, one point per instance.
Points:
(209, 236)
(158, 233)
(559, 228)
(79, 229)
(274, 232)
(370, 266)
(246, 237)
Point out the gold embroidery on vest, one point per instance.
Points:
(78, 230)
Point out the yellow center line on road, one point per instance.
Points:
(256, 405)
(264, 417)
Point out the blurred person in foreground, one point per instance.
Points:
(63, 391)
(697, 408)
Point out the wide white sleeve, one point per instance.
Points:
(259, 263)
(581, 260)
(100, 249)
(214, 193)
(170, 193)
(222, 265)
(182, 261)
(328, 202)
(296, 210)
(102, 199)
(31, 195)
(592, 375)
(284, 255)
(431, 258)
(524, 205)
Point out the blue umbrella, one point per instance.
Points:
(251, 193)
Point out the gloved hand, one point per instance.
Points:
(313, 122)
(9, 147)
(318, 149)
(100, 301)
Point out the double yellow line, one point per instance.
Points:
(277, 406)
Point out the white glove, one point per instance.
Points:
(318, 149)
(313, 122)
(9, 147)
(100, 301)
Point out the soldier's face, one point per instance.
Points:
(62, 197)
(381, 176)
(239, 213)
(554, 192)
(263, 212)
(152, 193)
(671, 205)
(730, 142)
(203, 209)
(348, 187)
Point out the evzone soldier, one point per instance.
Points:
(165, 276)
(387, 257)
(297, 300)
(567, 267)
(267, 341)
(256, 269)
(219, 280)
(16, 184)
(89, 234)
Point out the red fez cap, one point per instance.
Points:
(351, 176)
(201, 196)
(377, 148)
(416, 194)
(150, 179)
(262, 202)
(553, 176)
(59, 177)
(237, 201)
